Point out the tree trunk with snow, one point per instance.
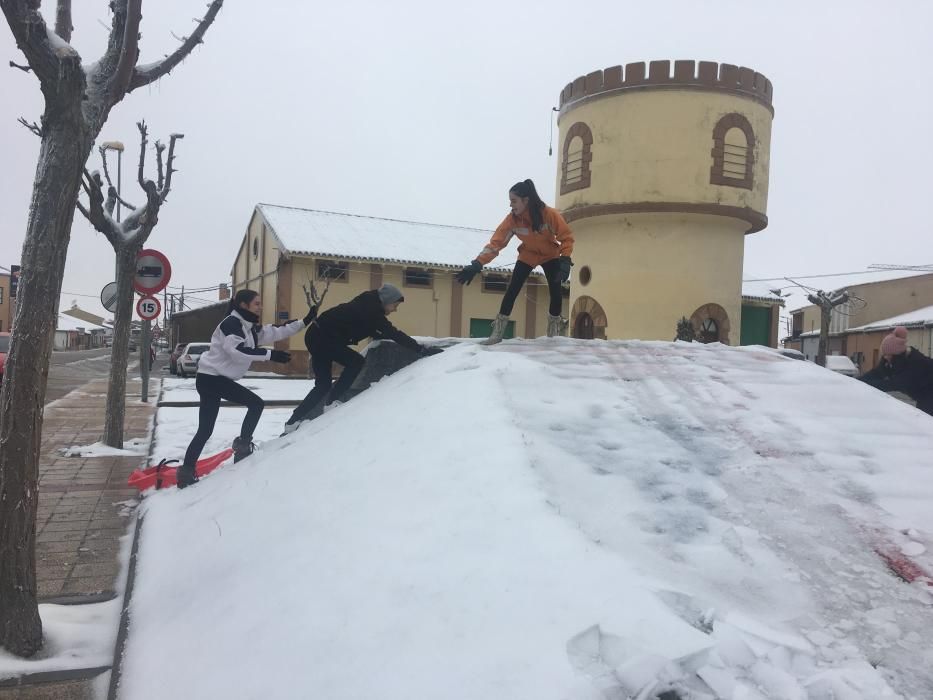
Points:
(77, 104)
(119, 358)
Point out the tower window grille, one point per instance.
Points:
(577, 155)
(733, 152)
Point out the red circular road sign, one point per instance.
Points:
(153, 272)
(148, 308)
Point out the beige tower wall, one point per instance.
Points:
(661, 234)
(649, 270)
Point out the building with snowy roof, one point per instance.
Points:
(285, 249)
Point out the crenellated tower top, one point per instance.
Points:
(699, 75)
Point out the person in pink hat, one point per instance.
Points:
(904, 369)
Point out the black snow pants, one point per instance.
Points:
(325, 350)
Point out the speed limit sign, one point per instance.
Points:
(148, 308)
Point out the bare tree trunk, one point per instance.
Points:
(63, 153)
(119, 358)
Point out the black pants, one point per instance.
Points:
(520, 275)
(325, 350)
(212, 389)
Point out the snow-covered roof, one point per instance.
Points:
(70, 323)
(355, 237)
(917, 317)
(760, 291)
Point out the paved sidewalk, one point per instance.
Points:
(85, 507)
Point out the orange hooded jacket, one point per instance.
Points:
(553, 240)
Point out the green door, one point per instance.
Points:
(756, 325)
(482, 327)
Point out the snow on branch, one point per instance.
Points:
(139, 224)
(143, 75)
(49, 55)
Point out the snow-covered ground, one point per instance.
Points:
(551, 519)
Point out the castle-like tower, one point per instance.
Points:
(661, 176)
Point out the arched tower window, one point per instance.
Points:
(588, 319)
(733, 152)
(711, 324)
(575, 164)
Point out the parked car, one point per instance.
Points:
(173, 358)
(4, 349)
(188, 362)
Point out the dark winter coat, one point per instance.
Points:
(910, 373)
(361, 317)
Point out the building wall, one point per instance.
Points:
(651, 221)
(650, 270)
(890, 298)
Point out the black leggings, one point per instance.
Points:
(212, 389)
(520, 275)
(326, 350)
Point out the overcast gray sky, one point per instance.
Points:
(429, 111)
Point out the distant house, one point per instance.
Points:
(196, 324)
(72, 333)
(857, 327)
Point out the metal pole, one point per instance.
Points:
(119, 180)
(144, 345)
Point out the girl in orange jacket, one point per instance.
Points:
(546, 240)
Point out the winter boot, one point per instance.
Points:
(554, 325)
(242, 448)
(498, 330)
(291, 427)
(184, 478)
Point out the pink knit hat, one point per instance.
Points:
(895, 343)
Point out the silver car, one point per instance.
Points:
(188, 361)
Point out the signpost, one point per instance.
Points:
(153, 273)
(108, 297)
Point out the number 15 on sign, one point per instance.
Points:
(148, 308)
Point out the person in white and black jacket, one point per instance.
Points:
(234, 346)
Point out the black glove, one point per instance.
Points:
(565, 264)
(466, 275)
(428, 350)
(312, 314)
(280, 356)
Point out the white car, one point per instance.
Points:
(188, 361)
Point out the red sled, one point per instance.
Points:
(162, 475)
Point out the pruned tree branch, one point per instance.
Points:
(143, 75)
(35, 40)
(63, 26)
(159, 146)
(143, 133)
(25, 69)
(33, 127)
(103, 157)
(163, 193)
(95, 213)
(129, 49)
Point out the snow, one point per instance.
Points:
(551, 519)
(343, 236)
(70, 323)
(136, 446)
(841, 363)
(75, 636)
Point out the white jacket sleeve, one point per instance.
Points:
(271, 333)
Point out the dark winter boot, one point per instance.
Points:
(184, 478)
(242, 448)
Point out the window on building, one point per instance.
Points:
(495, 283)
(709, 331)
(414, 277)
(338, 271)
(733, 152)
(798, 326)
(1, 295)
(576, 158)
(255, 248)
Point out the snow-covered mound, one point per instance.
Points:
(555, 519)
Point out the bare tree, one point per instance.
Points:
(78, 99)
(127, 238)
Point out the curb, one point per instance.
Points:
(116, 666)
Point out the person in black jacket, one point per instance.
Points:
(903, 369)
(364, 316)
